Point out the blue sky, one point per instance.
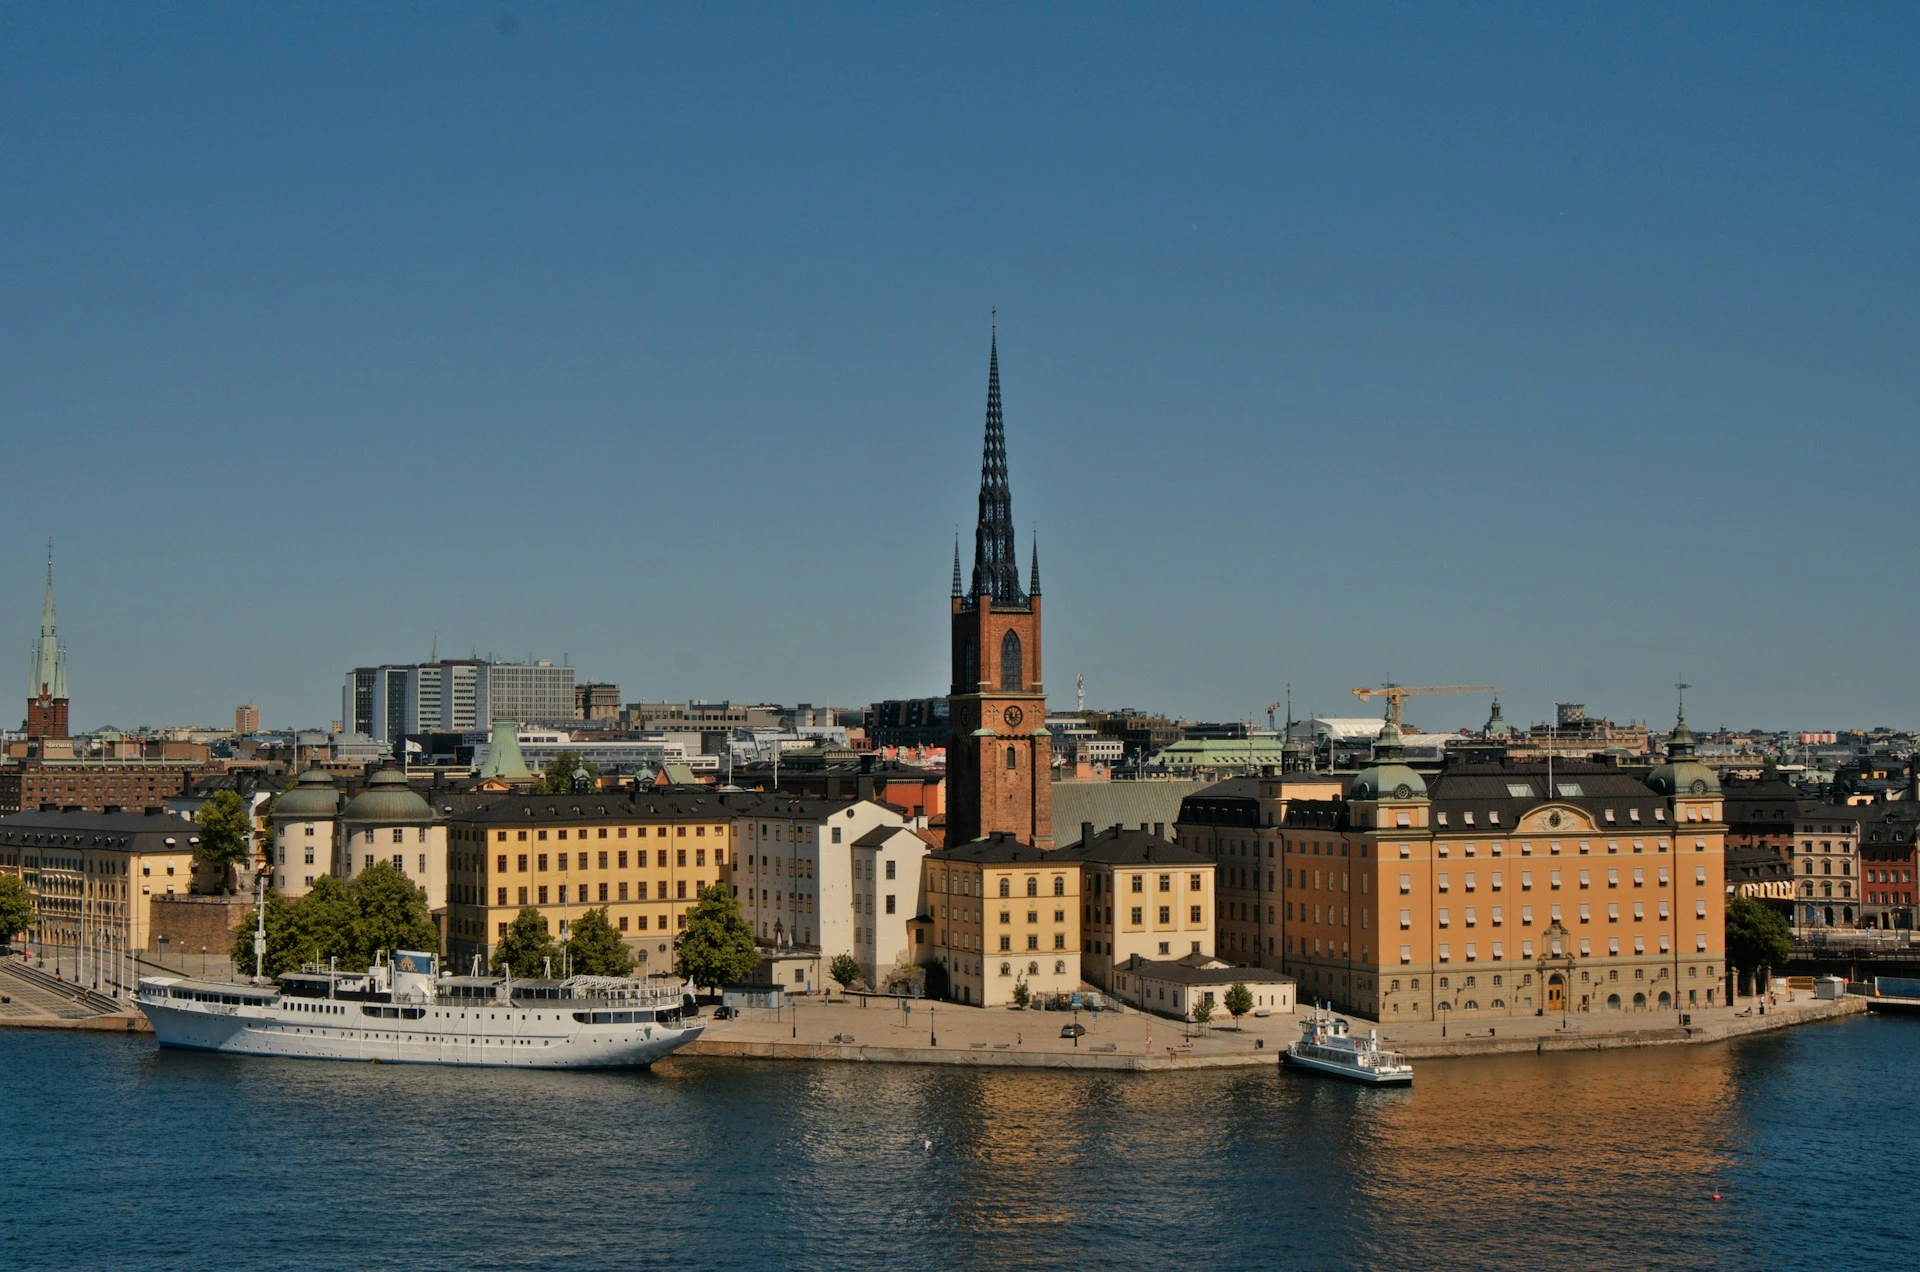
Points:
(1569, 349)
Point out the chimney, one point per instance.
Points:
(1086, 832)
(1159, 830)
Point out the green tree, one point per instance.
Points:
(1022, 994)
(527, 946)
(561, 774)
(1239, 1001)
(16, 908)
(1757, 935)
(845, 969)
(717, 947)
(1202, 1007)
(389, 913)
(226, 835)
(594, 948)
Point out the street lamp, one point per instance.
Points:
(933, 1039)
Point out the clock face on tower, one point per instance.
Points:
(1013, 716)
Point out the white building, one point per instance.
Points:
(887, 862)
(794, 868)
(456, 695)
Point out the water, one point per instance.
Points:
(116, 1154)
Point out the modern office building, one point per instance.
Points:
(454, 696)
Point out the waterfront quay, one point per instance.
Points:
(876, 1031)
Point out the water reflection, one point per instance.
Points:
(1601, 1160)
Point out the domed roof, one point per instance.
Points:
(1387, 777)
(314, 796)
(388, 801)
(1682, 774)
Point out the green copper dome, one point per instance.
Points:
(1387, 777)
(388, 801)
(1682, 774)
(313, 798)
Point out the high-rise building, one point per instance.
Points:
(246, 719)
(47, 683)
(999, 754)
(454, 696)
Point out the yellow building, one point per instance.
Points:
(1508, 889)
(93, 876)
(996, 913)
(1141, 896)
(643, 853)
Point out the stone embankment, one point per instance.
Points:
(38, 1000)
(1588, 1036)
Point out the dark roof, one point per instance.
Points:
(1193, 970)
(880, 835)
(997, 849)
(1484, 788)
(1117, 846)
(126, 832)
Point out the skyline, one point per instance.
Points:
(654, 340)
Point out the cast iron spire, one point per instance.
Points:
(956, 563)
(996, 570)
(1033, 571)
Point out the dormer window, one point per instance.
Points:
(1493, 818)
(1466, 818)
(1633, 814)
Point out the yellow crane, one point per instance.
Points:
(1398, 694)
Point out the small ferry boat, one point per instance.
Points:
(403, 1013)
(1327, 1045)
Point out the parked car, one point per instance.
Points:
(1073, 1031)
(725, 1013)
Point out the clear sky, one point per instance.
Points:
(1568, 348)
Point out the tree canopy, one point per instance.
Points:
(559, 777)
(1202, 1007)
(527, 947)
(16, 908)
(845, 969)
(226, 834)
(380, 910)
(716, 947)
(1757, 935)
(1239, 1000)
(594, 948)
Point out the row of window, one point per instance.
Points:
(582, 896)
(582, 861)
(1444, 951)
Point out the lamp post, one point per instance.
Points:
(933, 1038)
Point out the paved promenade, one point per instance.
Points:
(950, 1034)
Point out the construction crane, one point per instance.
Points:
(1398, 694)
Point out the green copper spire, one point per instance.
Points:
(49, 670)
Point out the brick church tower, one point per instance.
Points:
(1000, 755)
(47, 683)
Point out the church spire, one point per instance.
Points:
(1033, 571)
(956, 564)
(996, 568)
(49, 677)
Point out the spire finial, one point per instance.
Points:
(956, 561)
(1033, 571)
(996, 572)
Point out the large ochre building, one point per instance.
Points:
(1481, 891)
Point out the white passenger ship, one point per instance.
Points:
(403, 1013)
(1327, 1046)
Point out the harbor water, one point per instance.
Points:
(118, 1154)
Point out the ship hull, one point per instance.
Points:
(523, 1040)
(1362, 1076)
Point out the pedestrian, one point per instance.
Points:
(1019, 1040)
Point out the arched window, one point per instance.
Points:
(1010, 677)
(1006, 969)
(1059, 886)
(1060, 967)
(1013, 758)
(1006, 887)
(1033, 969)
(1033, 886)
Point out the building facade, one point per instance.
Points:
(93, 876)
(1508, 889)
(303, 833)
(1888, 835)
(995, 913)
(1141, 897)
(386, 703)
(999, 753)
(644, 853)
(1826, 866)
